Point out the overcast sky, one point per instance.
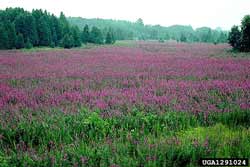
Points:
(211, 13)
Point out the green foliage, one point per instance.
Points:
(85, 34)
(43, 29)
(166, 36)
(96, 36)
(38, 28)
(205, 34)
(245, 37)
(68, 41)
(125, 30)
(56, 30)
(140, 22)
(25, 24)
(44, 32)
(3, 37)
(183, 38)
(110, 39)
(234, 38)
(233, 119)
(222, 38)
(137, 138)
(19, 41)
(28, 44)
(11, 35)
(64, 23)
(207, 141)
(76, 36)
(240, 39)
(161, 40)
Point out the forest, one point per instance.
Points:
(23, 29)
(126, 30)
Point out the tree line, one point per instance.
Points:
(23, 29)
(239, 36)
(126, 30)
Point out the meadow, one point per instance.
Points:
(131, 104)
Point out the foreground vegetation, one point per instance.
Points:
(139, 138)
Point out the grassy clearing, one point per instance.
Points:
(37, 49)
(137, 138)
(125, 43)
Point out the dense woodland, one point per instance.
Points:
(125, 30)
(23, 29)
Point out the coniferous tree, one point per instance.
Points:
(53, 32)
(19, 41)
(25, 24)
(222, 38)
(56, 30)
(76, 36)
(183, 38)
(37, 28)
(167, 36)
(12, 13)
(208, 37)
(67, 41)
(139, 22)
(245, 34)
(108, 39)
(28, 44)
(3, 37)
(64, 24)
(37, 14)
(234, 38)
(96, 36)
(44, 32)
(11, 35)
(85, 34)
(112, 36)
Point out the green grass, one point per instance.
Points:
(37, 49)
(138, 138)
(124, 43)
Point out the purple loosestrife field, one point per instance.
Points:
(183, 77)
(145, 104)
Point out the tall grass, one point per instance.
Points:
(137, 138)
